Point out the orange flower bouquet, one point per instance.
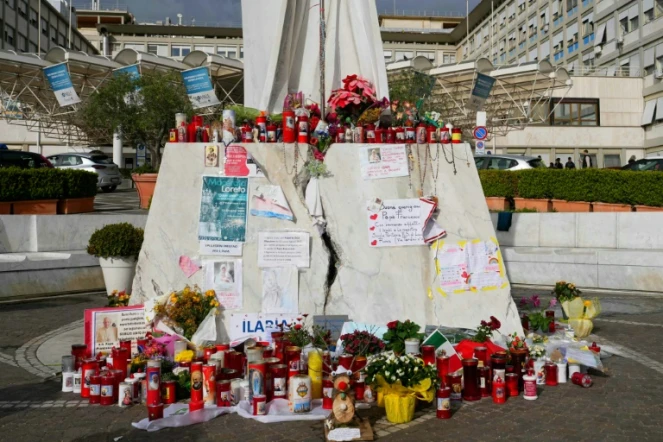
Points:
(187, 309)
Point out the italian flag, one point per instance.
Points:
(442, 344)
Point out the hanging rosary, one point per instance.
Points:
(285, 161)
(453, 157)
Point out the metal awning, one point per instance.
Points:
(127, 57)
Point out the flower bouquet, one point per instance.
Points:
(361, 343)
(355, 103)
(484, 332)
(398, 332)
(118, 299)
(400, 381)
(536, 316)
(565, 293)
(581, 312)
(189, 313)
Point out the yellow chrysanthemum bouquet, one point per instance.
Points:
(187, 309)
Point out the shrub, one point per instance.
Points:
(498, 184)
(145, 168)
(116, 240)
(535, 183)
(79, 183)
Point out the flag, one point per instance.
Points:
(442, 344)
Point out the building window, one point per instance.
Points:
(11, 3)
(179, 51)
(33, 18)
(33, 48)
(10, 35)
(22, 8)
(161, 50)
(403, 55)
(54, 35)
(241, 52)
(22, 43)
(428, 54)
(612, 160)
(44, 27)
(448, 58)
(227, 51)
(634, 23)
(205, 49)
(387, 56)
(658, 9)
(570, 112)
(62, 40)
(571, 7)
(135, 46)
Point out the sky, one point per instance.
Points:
(228, 12)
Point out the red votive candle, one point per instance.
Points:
(454, 381)
(442, 369)
(512, 384)
(443, 403)
(551, 374)
(481, 353)
(499, 392)
(584, 380)
(484, 381)
(428, 354)
(471, 392)
(551, 326)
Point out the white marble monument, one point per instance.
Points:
(372, 285)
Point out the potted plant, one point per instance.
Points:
(536, 315)
(80, 188)
(117, 247)
(400, 380)
(398, 333)
(145, 178)
(565, 293)
(32, 191)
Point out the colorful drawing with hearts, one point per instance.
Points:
(397, 223)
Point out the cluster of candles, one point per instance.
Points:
(300, 129)
(497, 376)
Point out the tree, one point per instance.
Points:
(143, 107)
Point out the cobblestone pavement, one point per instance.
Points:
(623, 405)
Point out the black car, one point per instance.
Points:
(23, 160)
(653, 164)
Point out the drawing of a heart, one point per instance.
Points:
(372, 228)
(374, 242)
(374, 217)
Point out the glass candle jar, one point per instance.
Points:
(412, 346)
(471, 390)
(551, 374)
(584, 380)
(443, 403)
(512, 384)
(499, 392)
(551, 326)
(519, 361)
(498, 367)
(428, 354)
(484, 381)
(442, 368)
(481, 353)
(454, 381)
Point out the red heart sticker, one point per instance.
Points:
(374, 242)
(372, 228)
(374, 217)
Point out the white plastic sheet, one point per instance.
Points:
(282, 46)
(177, 415)
(277, 411)
(314, 205)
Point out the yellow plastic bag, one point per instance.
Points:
(422, 391)
(400, 409)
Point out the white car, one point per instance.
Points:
(95, 162)
(507, 162)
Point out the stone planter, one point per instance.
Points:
(36, 207)
(540, 205)
(498, 204)
(607, 207)
(145, 183)
(644, 209)
(75, 205)
(118, 273)
(571, 206)
(5, 208)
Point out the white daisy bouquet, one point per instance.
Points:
(406, 370)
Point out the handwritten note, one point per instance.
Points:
(383, 161)
(452, 262)
(397, 223)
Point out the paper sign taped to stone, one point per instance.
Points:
(257, 325)
(221, 248)
(106, 327)
(225, 278)
(282, 249)
(269, 201)
(238, 162)
(223, 209)
(383, 161)
(397, 223)
(280, 290)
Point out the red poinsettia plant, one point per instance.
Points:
(355, 97)
(486, 329)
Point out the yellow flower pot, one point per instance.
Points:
(400, 409)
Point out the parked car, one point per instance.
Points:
(23, 160)
(654, 164)
(507, 162)
(96, 162)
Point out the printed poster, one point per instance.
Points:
(199, 87)
(105, 327)
(238, 162)
(225, 278)
(60, 80)
(280, 290)
(383, 161)
(397, 223)
(268, 201)
(282, 249)
(223, 209)
(212, 155)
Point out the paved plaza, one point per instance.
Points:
(622, 405)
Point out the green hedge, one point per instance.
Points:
(590, 185)
(46, 184)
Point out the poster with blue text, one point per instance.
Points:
(60, 80)
(199, 87)
(223, 209)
